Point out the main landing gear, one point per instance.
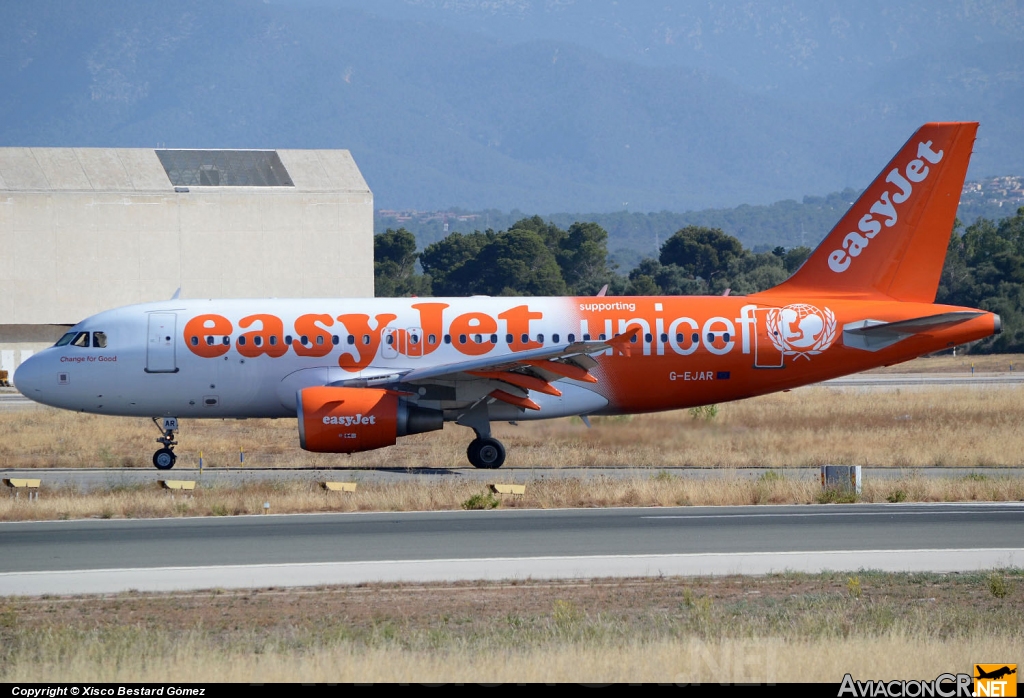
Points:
(486, 452)
(164, 458)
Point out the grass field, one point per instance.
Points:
(941, 426)
(657, 489)
(712, 630)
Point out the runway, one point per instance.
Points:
(64, 557)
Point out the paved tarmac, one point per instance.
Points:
(302, 550)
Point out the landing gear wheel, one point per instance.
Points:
(486, 453)
(164, 459)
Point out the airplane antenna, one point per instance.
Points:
(176, 294)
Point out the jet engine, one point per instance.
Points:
(348, 420)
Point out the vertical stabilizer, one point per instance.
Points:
(892, 242)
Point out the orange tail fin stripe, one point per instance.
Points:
(892, 242)
(520, 381)
(511, 399)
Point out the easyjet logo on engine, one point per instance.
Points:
(351, 420)
(884, 210)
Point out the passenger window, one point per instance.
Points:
(288, 339)
(226, 341)
(540, 338)
(99, 340)
(432, 339)
(194, 340)
(554, 338)
(209, 340)
(273, 340)
(632, 339)
(695, 338)
(494, 339)
(603, 336)
(66, 339)
(257, 340)
(335, 339)
(241, 341)
(508, 339)
(351, 339)
(479, 339)
(679, 337)
(82, 340)
(525, 338)
(366, 339)
(462, 339)
(664, 337)
(447, 339)
(648, 337)
(390, 339)
(572, 338)
(586, 338)
(303, 340)
(414, 338)
(320, 339)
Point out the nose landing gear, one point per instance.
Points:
(164, 458)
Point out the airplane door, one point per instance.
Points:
(766, 352)
(389, 343)
(160, 344)
(414, 342)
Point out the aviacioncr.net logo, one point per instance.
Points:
(801, 329)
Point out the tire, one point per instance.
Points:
(164, 459)
(486, 453)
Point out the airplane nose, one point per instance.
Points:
(28, 377)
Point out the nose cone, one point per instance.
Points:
(29, 378)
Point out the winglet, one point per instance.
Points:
(892, 242)
(621, 342)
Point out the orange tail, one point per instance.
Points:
(892, 242)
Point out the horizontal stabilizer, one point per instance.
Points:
(872, 335)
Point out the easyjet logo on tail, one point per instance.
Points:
(884, 210)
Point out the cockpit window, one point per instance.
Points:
(99, 340)
(80, 340)
(66, 339)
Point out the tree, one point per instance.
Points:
(444, 260)
(700, 251)
(583, 258)
(514, 263)
(394, 265)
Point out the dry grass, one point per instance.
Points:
(955, 426)
(945, 363)
(658, 489)
(683, 661)
(708, 630)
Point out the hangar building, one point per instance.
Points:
(88, 229)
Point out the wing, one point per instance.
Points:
(518, 372)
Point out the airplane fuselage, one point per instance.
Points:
(248, 358)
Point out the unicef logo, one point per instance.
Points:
(801, 329)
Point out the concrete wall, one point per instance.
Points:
(86, 230)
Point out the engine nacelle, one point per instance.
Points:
(347, 420)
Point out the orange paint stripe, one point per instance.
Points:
(520, 381)
(511, 399)
(568, 370)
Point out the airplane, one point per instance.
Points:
(357, 374)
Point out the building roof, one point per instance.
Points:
(149, 170)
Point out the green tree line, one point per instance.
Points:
(984, 266)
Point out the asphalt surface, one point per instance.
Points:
(113, 555)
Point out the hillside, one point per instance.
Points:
(526, 105)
